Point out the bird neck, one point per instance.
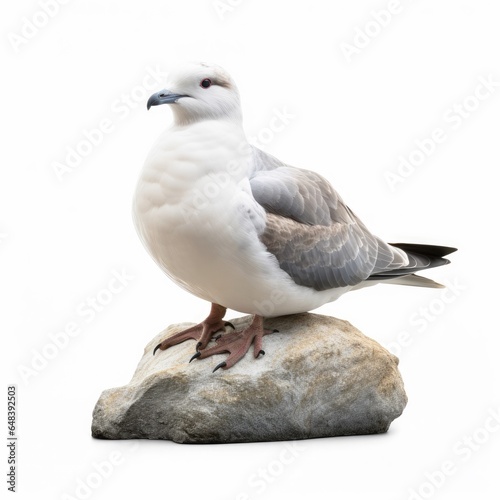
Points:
(183, 117)
(203, 148)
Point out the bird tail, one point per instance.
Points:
(414, 280)
(420, 257)
(430, 250)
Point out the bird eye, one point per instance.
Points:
(206, 83)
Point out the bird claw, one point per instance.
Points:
(220, 365)
(236, 344)
(227, 323)
(197, 354)
(202, 332)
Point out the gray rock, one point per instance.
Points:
(320, 377)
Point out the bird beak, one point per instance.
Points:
(163, 97)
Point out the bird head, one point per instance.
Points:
(200, 92)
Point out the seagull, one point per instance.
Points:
(240, 229)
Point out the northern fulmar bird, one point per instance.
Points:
(239, 228)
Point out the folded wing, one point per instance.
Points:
(315, 237)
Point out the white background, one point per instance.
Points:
(61, 239)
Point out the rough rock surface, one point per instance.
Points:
(319, 377)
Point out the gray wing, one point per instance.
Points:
(316, 238)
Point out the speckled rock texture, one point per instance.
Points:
(319, 377)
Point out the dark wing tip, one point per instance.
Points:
(431, 250)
